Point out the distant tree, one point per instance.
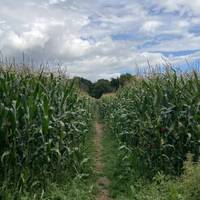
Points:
(83, 84)
(100, 87)
(114, 83)
(124, 78)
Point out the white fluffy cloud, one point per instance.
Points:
(150, 26)
(100, 39)
(55, 1)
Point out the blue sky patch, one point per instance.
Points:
(126, 37)
(179, 53)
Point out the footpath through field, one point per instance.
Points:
(102, 181)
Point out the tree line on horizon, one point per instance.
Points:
(102, 86)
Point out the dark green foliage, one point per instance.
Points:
(101, 87)
(84, 84)
(115, 83)
(125, 78)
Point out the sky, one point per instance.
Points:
(100, 38)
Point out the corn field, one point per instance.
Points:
(156, 121)
(43, 127)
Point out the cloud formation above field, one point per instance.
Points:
(101, 38)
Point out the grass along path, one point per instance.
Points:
(102, 181)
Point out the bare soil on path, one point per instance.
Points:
(102, 181)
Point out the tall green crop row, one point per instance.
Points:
(43, 128)
(156, 121)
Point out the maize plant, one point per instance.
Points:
(43, 127)
(156, 121)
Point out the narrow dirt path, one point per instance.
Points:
(102, 181)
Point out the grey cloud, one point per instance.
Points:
(79, 34)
